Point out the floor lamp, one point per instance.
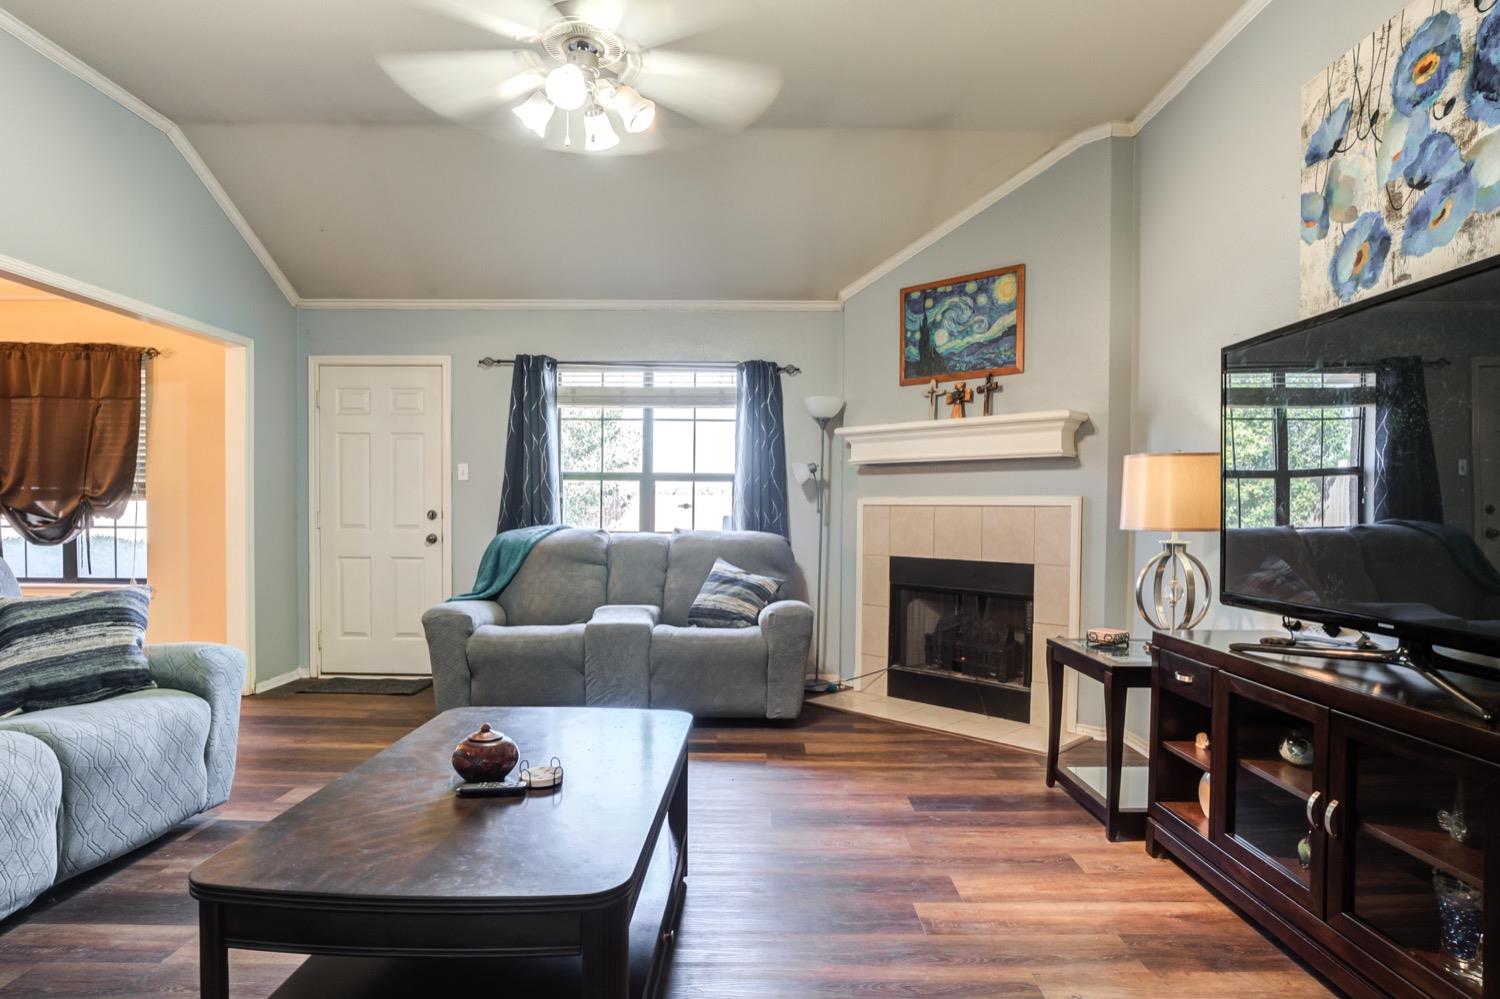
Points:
(823, 408)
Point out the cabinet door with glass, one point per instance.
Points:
(1273, 777)
(1408, 854)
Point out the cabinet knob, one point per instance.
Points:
(1182, 677)
(1333, 806)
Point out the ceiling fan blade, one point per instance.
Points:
(464, 84)
(723, 93)
(649, 23)
(520, 20)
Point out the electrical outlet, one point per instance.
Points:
(1463, 466)
(463, 471)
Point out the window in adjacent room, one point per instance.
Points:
(1295, 447)
(110, 551)
(647, 449)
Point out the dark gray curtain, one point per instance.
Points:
(532, 491)
(1406, 477)
(759, 450)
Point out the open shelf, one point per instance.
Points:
(1189, 751)
(1431, 846)
(1293, 780)
(1189, 812)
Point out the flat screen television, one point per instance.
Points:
(1361, 465)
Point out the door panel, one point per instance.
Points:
(380, 535)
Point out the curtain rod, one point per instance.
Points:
(787, 369)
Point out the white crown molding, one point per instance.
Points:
(60, 56)
(1219, 41)
(573, 304)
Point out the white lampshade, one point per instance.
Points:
(567, 88)
(598, 133)
(634, 110)
(1176, 491)
(535, 113)
(824, 407)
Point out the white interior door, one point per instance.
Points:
(380, 531)
(1487, 456)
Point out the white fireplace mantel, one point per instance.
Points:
(1046, 434)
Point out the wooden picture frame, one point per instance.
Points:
(958, 307)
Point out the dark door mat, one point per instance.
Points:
(351, 685)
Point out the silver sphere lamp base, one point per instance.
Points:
(1173, 590)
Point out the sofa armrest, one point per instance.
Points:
(215, 673)
(448, 627)
(788, 628)
(617, 656)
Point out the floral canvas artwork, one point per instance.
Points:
(1401, 154)
(964, 327)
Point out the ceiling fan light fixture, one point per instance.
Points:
(567, 87)
(634, 110)
(598, 133)
(535, 112)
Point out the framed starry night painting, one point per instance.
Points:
(964, 327)
(1400, 154)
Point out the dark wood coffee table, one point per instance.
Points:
(388, 878)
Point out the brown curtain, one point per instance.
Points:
(70, 418)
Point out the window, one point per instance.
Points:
(110, 551)
(1294, 447)
(647, 449)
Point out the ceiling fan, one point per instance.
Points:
(598, 60)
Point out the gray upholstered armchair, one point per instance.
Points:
(602, 619)
(82, 785)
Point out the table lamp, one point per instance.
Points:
(1176, 491)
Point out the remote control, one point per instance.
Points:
(490, 789)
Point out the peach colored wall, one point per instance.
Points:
(185, 457)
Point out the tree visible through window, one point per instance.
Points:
(647, 449)
(1294, 447)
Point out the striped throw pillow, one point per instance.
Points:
(72, 650)
(732, 597)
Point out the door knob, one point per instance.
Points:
(432, 515)
(432, 539)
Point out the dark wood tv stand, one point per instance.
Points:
(1360, 859)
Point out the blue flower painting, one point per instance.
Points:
(964, 327)
(1400, 171)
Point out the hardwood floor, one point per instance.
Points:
(836, 856)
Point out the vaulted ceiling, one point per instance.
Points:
(891, 115)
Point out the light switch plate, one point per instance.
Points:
(463, 471)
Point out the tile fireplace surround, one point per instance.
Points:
(1045, 532)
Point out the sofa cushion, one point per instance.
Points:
(132, 768)
(637, 568)
(30, 797)
(731, 597)
(711, 672)
(533, 665)
(56, 651)
(692, 556)
(561, 581)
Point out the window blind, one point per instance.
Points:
(587, 385)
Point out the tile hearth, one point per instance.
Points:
(1000, 731)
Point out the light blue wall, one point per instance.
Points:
(481, 397)
(92, 192)
(1073, 229)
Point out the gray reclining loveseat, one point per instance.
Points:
(601, 619)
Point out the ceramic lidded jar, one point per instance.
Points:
(486, 755)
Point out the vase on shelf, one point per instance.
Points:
(1461, 913)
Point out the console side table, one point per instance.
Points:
(1099, 789)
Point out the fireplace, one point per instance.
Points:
(961, 634)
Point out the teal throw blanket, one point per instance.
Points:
(503, 558)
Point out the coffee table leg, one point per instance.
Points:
(677, 818)
(606, 953)
(213, 956)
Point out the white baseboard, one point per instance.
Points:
(1132, 739)
(300, 673)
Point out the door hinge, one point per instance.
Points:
(320, 639)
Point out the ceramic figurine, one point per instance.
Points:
(1304, 852)
(486, 755)
(988, 390)
(1296, 749)
(932, 394)
(958, 398)
(1203, 795)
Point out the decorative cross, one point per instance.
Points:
(932, 394)
(960, 396)
(988, 390)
